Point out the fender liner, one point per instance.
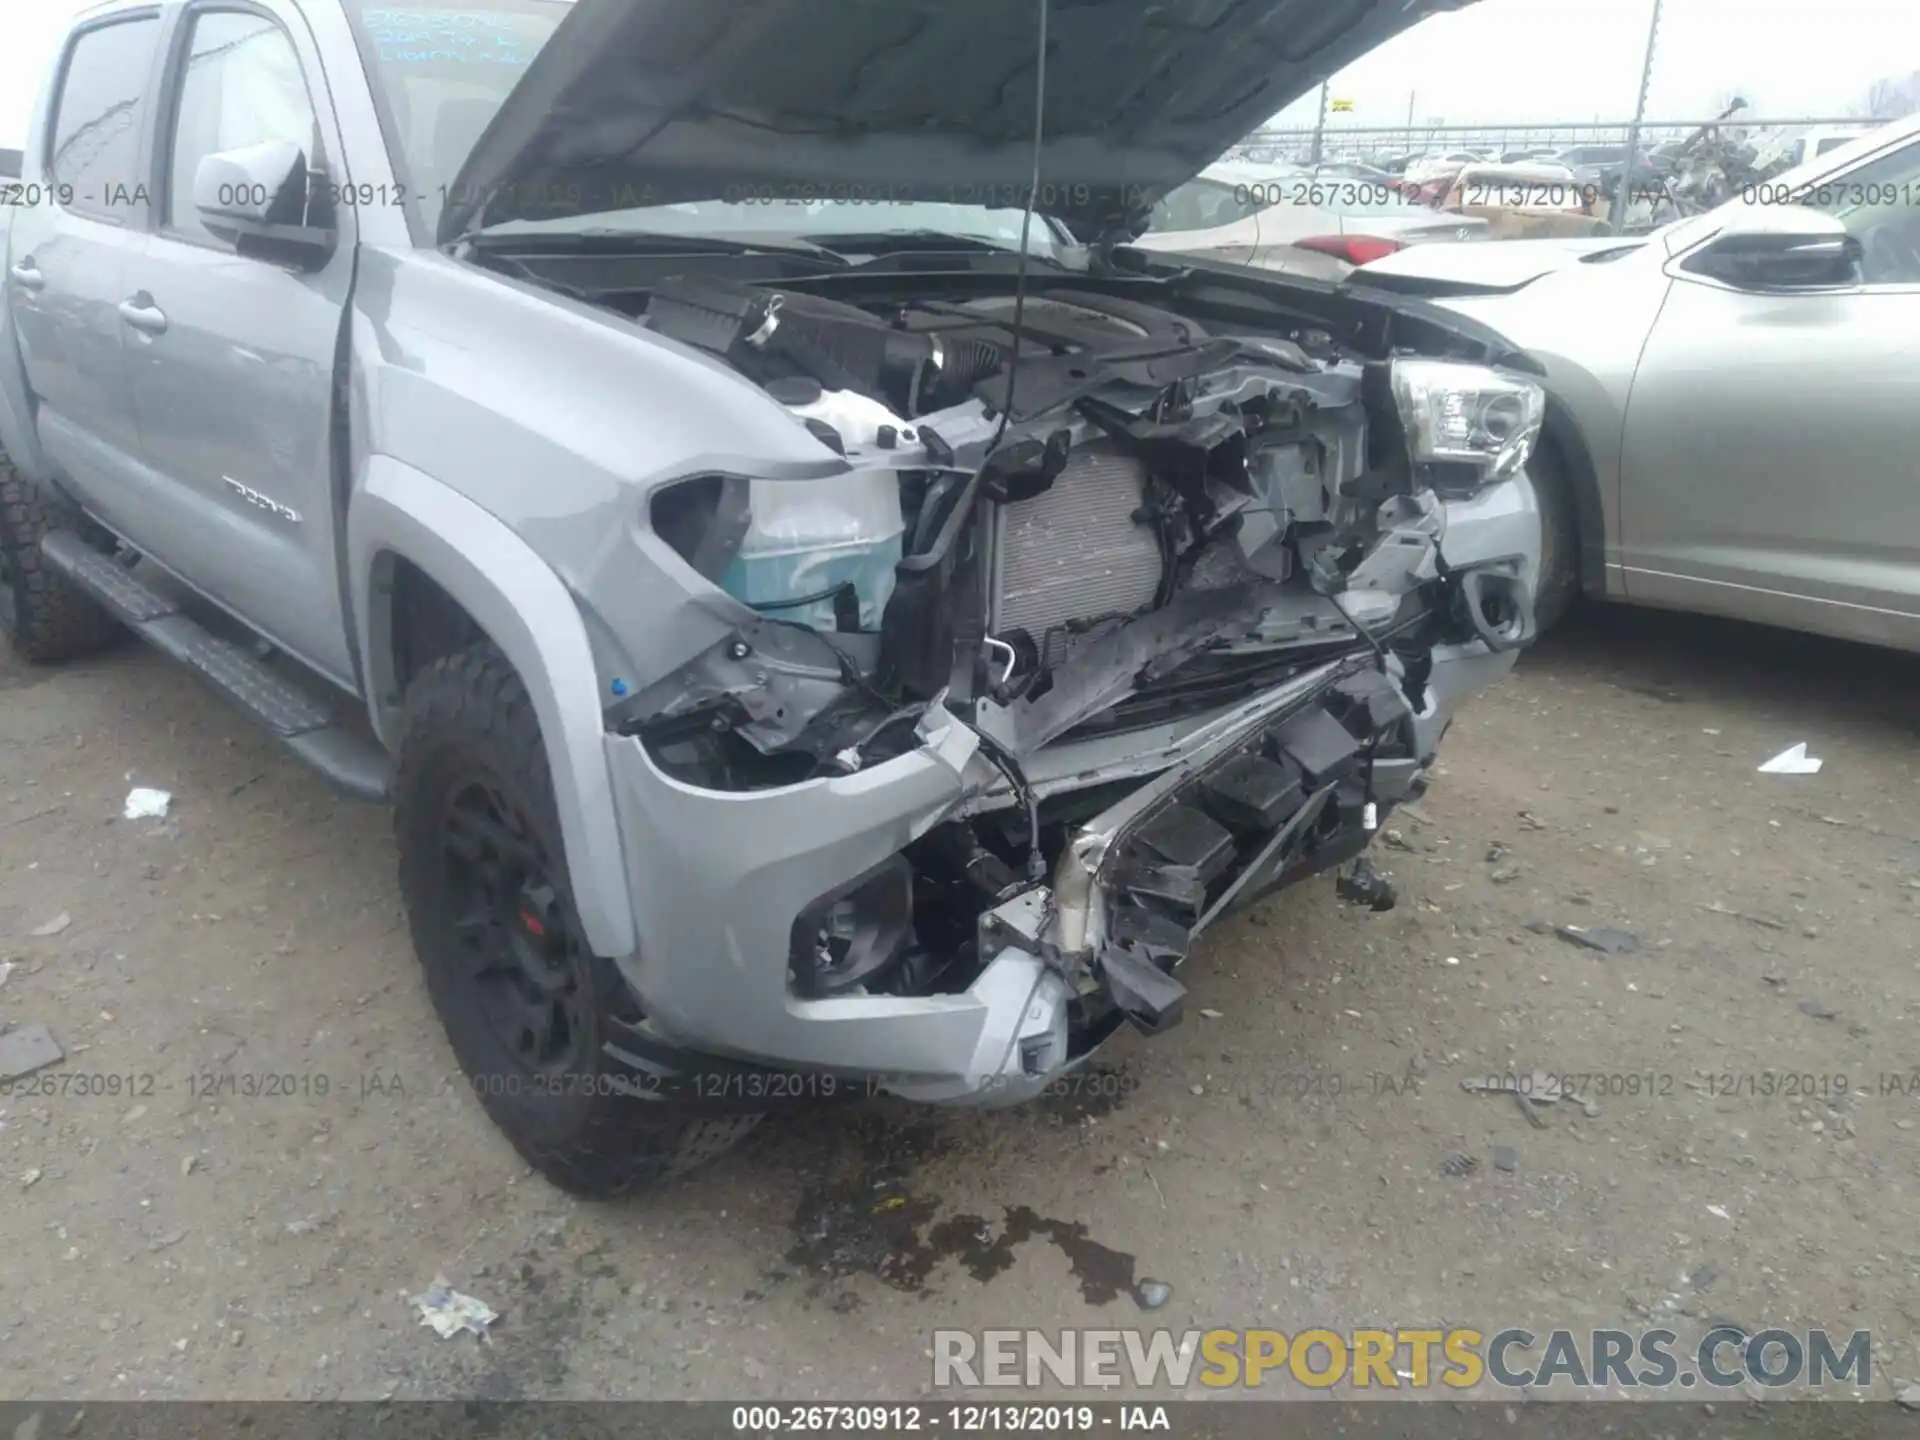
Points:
(1590, 519)
(525, 609)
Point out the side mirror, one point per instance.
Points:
(256, 198)
(1780, 248)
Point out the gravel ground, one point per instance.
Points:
(1299, 1152)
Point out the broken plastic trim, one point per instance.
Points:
(785, 688)
(1105, 670)
(767, 682)
(1287, 794)
(1080, 917)
(1499, 605)
(852, 935)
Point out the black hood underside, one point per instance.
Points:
(652, 102)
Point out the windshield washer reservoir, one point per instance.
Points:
(807, 538)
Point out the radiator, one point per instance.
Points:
(1075, 552)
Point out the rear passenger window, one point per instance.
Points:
(98, 116)
(242, 86)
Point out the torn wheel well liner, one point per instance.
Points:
(1561, 435)
(428, 623)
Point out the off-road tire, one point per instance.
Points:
(1559, 581)
(46, 617)
(468, 720)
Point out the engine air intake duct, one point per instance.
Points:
(767, 334)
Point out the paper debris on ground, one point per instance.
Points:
(449, 1312)
(145, 804)
(1764, 921)
(6, 969)
(1537, 1088)
(30, 1048)
(53, 926)
(1604, 938)
(1793, 761)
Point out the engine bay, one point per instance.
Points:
(1102, 518)
(1059, 502)
(1157, 519)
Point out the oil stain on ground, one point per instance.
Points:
(897, 1240)
(865, 1219)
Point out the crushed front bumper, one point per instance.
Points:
(726, 874)
(1228, 806)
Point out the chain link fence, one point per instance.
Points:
(1360, 143)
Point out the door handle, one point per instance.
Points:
(143, 315)
(27, 276)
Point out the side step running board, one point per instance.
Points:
(353, 763)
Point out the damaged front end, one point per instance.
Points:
(1160, 508)
(1093, 630)
(1293, 789)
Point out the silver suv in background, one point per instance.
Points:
(1723, 395)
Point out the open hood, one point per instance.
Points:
(650, 102)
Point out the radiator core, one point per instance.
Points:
(1075, 552)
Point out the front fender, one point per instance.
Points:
(526, 611)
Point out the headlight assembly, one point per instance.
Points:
(1466, 425)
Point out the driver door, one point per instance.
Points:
(231, 358)
(1768, 469)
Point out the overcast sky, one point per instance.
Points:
(1502, 60)
(1539, 60)
(29, 30)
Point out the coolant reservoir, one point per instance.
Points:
(807, 538)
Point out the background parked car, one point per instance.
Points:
(1427, 167)
(1523, 202)
(1601, 167)
(1591, 157)
(1394, 162)
(1352, 170)
(1295, 222)
(1785, 150)
(1731, 399)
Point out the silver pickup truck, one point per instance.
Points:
(829, 614)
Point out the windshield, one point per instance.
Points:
(445, 69)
